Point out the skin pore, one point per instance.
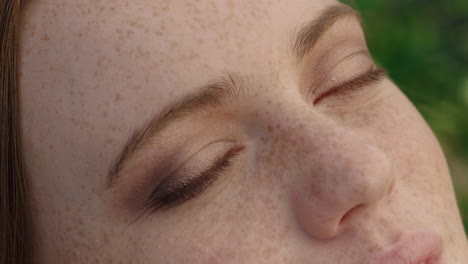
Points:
(300, 159)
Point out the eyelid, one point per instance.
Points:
(352, 62)
(363, 52)
(355, 63)
(372, 76)
(177, 189)
(326, 66)
(180, 158)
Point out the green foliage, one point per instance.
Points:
(424, 46)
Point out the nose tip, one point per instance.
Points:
(324, 224)
(347, 192)
(327, 224)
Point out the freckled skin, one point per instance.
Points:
(315, 184)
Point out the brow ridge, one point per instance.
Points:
(220, 91)
(308, 35)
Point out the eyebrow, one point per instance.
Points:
(310, 33)
(221, 90)
(218, 92)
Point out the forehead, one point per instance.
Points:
(93, 70)
(152, 41)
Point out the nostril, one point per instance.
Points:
(351, 212)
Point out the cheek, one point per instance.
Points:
(248, 225)
(78, 235)
(423, 184)
(405, 136)
(186, 250)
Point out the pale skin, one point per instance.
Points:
(331, 182)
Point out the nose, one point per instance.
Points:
(341, 178)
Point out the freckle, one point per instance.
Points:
(45, 37)
(279, 196)
(117, 97)
(215, 9)
(372, 249)
(51, 146)
(33, 33)
(293, 142)
(174, 43)
(270, 128)
(117, 48)
(197, 11)
(105, 237)
(193, 26)
(268, 252)
(158, 33)
(230, 4)
(75, 121)
(105, 114)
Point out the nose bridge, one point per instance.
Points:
(338, 173)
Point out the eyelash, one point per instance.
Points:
(373, 76)
(169, 194)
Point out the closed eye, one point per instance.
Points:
(171, 193)
(372, 76)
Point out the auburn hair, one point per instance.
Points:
(15, 216)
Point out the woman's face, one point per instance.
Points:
(256, 132)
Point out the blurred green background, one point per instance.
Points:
(424, 46)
